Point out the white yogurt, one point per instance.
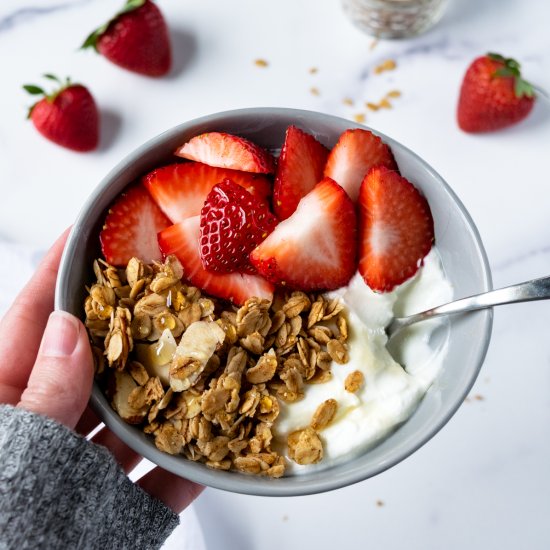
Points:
(390, 393)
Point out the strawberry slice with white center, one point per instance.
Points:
(227, 151)
(182, 240)
(299, 169)
(315, 248)
(131, 228)
(181, 189)
(396, 229)
(355, 153)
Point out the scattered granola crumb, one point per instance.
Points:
(379, 503)
(313, 70)
(359, 118)
(479, 397)
(261, 63)
(314, 91)
(384, 103)
(347, 101)
(388, 65)
(393, 93)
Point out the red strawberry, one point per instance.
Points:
(355, 153)
(493, 95)
(299, 169)
(396, 229)
(131, 228)
(181, 189)
(233, 223)
(227, 151)
(135, 39)
(67, 116)
(182, 240)
(315, 248)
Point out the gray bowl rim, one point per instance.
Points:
(233, 481)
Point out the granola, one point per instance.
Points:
(204, 378)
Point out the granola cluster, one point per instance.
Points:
(203, 377)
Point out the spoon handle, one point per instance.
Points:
(536, 289)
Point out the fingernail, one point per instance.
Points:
(61, 335)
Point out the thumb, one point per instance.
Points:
(61, 380)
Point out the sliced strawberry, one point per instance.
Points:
(182, 240)
(355, 153)
(233, 223)
(315, 248)
(131, 228)
(299, 169)
(396, 229)
(181, 189)
(227, 151)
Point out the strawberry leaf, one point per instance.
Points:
(91, 40)
(523, 88)
(496, 57)
(131, 5)
(511, 69)
(34, 90)
(50, 76)
(505, 72)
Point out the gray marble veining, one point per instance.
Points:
(29, 13)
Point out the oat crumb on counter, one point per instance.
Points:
(387, 65)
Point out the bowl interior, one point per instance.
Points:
(457, 240)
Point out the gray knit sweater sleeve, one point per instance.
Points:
(58, 490)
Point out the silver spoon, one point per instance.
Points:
(537, 289)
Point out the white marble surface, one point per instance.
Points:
(483, 481)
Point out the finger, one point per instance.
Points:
(61, 380)
(176, 492)
(87, 423)
(22, 327)
(126, 457)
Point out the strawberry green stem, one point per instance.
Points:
(37, 90)
(511, 69)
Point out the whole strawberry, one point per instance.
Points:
(493, 95)
(68, 116)
(135, 39)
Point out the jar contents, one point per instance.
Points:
(394, 18)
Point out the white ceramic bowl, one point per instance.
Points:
(457, 240)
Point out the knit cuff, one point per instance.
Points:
(58, 490)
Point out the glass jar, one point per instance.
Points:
(394, 18)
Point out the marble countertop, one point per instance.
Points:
(483, 481)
